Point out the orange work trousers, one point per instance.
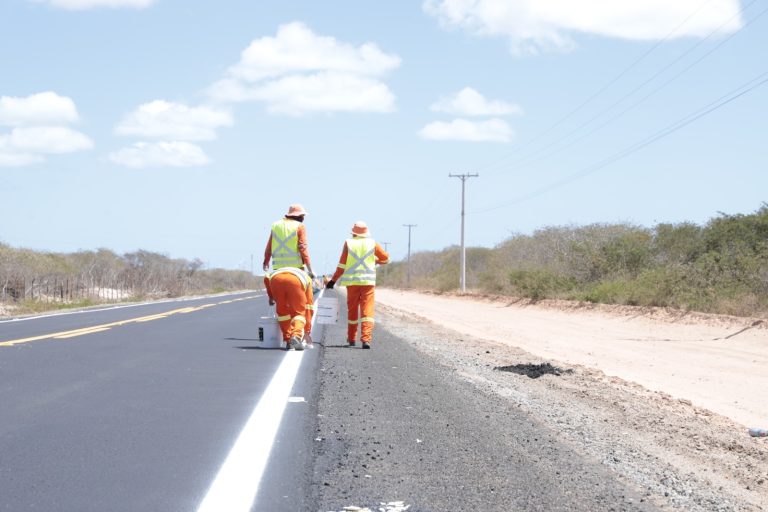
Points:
(360, 312)
(294, 303)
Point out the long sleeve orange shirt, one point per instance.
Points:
(382, 258)
(301, 235)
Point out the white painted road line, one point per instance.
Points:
(235, 486)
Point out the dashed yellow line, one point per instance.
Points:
(105, 327)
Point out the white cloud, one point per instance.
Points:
(297, 49)
(90, 4)
(535, 25)
(10, 158)
(47, 139)
(492, 130)
(160, 154)
(45, 108)
(174, 121)
(321, 92)
(297, 72)
(469, 102)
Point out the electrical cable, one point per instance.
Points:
(633, 91)
(740, 91)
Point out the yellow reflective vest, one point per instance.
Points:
(360, 267)
(285, 244)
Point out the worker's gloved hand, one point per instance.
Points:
(271, 302)
(311, 274)
(266, 268)
(329, 284)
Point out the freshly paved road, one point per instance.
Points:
(140, 413)
(140, 416)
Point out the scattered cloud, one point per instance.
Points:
(36, 128)
(298, 72)
(469, 102)
(174, 121)
(47, 139)
(160, 154)
(542, 25)
(492, 130)
(320, 92)
(91, 4)
(11, 158)
(45, 108)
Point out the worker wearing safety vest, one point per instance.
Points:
(291, 289)
(357, 270)
(287, 244)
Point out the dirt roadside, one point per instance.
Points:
(716, 362)
(684, 457)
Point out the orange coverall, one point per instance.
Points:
(295, 303)
(360, 299)
(301, 235)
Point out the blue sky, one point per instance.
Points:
(187, 127)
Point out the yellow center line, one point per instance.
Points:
(105, 327)
(81, 333)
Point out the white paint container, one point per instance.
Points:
(328, 310)
(269, 332)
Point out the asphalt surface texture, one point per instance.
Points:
(139, 413)
(396, 426)
(142, 415)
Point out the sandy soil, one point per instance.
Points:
(682, 457)
(717, 362)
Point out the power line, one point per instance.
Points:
(685, 121)
(637, 88)
(543, 154)
(606, 86)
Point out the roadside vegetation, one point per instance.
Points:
(720, 267)
(34, 281)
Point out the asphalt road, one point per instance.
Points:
(141, 415)
(137, 408)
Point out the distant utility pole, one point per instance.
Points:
(463, 278)
(408, 280)
(386, 246)
(251, 264)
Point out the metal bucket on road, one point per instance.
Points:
(269, 332)
(328, 310)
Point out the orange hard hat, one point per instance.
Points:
(295, 210)
(360, 229)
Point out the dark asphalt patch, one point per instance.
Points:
(534, 371)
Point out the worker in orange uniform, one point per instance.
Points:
(291, 289)
(357, 270)
(287, 244)
(287, 248)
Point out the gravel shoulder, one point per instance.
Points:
(717, 362)
(398, 427)
(680, 456)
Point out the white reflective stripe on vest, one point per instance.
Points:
(360, 267)
(284, 232)
(303, 276)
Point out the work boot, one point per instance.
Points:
(287, 345)
(366, 345)
(296, 343)
(351, 343)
